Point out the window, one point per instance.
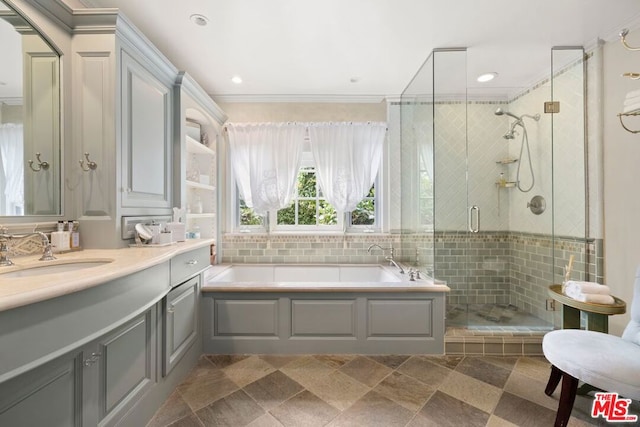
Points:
(309, 211)
(348, 154)
(308, 208)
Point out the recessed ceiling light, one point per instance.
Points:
(198, 19)
(487, 77)
(236, 79)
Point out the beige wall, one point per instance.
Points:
(10, 113)
(311, 112)
(621, 178)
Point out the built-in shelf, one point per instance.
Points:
(197, 185)
(508, 184)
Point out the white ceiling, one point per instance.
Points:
(306, 49)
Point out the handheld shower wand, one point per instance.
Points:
(525, 140)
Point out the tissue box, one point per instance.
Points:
(178, 231)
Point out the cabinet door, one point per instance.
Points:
(125, 367)
(180, 321)
(50, 395)
(146, 143)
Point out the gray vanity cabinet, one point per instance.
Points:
(50, 395)
(146, 115)
(123, 114)
(180, 321)
(91, 386)
(181, 314)
(120, 368)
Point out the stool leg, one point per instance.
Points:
(567, 397)
(554, 380)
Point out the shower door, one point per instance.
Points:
(435, 222)
(456, 217)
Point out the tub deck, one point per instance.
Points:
(314, 278)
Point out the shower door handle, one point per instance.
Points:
(475, 209)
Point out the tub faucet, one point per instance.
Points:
(5, 236)
(389, 257)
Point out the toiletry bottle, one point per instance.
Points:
(502, 182)
(75, 234)
(60, 238)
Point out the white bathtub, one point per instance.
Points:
(313, 277)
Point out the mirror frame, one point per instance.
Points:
(58, 39)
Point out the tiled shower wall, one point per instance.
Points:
(509, 267)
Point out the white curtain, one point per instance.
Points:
(11, 155)
(347, 157)
(265, 158)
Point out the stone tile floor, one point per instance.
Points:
(356, 390)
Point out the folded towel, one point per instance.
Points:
(595, 298)
(631, 108)
(632, 100)
(633, 93)
(573, 288)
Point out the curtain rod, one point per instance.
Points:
(386, 128)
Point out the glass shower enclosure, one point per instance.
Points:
(494, 189)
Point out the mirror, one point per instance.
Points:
(30, 153)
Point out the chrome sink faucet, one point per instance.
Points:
(389, 257)
(5, 236)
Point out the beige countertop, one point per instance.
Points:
(19, 291)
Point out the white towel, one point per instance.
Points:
(631, 101)
(633, 93)
(573, 288)
(595, 298)
(631, 108)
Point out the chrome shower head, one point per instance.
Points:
(500, 112)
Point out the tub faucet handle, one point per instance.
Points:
(412, 275)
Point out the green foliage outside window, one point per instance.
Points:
(248, 216)
(309, 208)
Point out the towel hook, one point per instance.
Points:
(91, 165)
(623, 35)
(41, 165)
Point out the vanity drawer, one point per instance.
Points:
(188, 264)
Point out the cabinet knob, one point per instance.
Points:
(171, 309)
(192, 262)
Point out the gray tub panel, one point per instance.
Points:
(323, 318)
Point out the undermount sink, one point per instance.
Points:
(59, 267)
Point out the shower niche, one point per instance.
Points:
(463, 145)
